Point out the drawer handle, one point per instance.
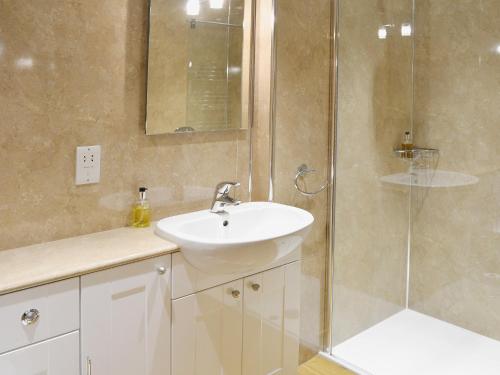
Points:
(30, 317)
(255, 287)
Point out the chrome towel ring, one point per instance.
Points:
(302, 171)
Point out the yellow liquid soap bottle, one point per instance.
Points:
(141, 211)
(407, 145)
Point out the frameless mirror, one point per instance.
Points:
(199, 65)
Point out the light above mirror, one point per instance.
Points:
(216, 4)
(382, 32)
(193, 7)
(406, 29)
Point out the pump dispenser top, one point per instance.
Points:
(141, 211)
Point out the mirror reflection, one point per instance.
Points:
(198, 65)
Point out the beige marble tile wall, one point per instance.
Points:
(455, 264)
(371, 220)
(302, 133)
(73, 73)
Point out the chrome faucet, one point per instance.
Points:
(222, 198)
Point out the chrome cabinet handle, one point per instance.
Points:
(30, 317)
(161, 270)
(255, 287)
(235, 293)
(89, 366)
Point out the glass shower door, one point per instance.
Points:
(374, 108)
(416, 275)
(455, 258)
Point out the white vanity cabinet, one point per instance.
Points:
(39, 330)
(271, 321)
(125, 319)
(207, 331)
(249, 326)
(128, 320)
(58, 356)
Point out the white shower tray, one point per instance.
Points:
(411, 343)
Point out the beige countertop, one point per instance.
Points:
(43, 263)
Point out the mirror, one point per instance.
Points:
(199, 65)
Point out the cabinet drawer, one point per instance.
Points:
(57, 356)
(54, 311)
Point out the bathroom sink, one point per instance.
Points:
(244, 238)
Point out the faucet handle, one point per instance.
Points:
(222, 198)
(225, 186)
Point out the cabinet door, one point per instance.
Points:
(207, 331)
(270, 321)
(125, 319)
(59, 356)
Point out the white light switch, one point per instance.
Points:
(88, 165)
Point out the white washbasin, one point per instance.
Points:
(249, 236)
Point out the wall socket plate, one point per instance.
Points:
(88, 165)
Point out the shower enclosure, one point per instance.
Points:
(415, 264)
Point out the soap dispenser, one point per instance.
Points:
(407, 145)
(141, 211)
